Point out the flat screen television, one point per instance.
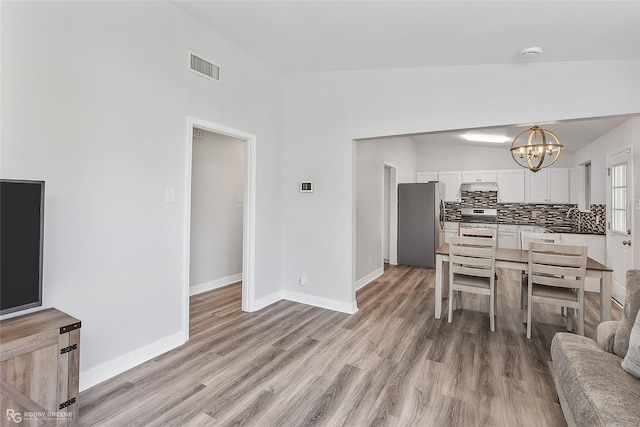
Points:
(21, 244)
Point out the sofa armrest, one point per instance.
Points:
(605, 334)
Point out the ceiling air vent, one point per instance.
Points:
(204, 68)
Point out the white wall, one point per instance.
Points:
(371, 157)
(95, 99)
(217, 184)
(324, 112)
(626, 134)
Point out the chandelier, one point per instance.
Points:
(539, 150)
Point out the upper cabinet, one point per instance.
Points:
(426, 176)
(510, 185)
(547, 186)
(478, 176)
(451, 182)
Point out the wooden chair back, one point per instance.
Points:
(527, 237)
(472, 256)
(557, 265)
(478, 232)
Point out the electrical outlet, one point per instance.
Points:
(370, 259)
(637, 203)
(170, 195)
(303, 278)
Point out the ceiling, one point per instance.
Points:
(310, 36)
(573, 134)
(315, 36)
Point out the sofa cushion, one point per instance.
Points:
(629, 313)
(631, 362)
(597, 391)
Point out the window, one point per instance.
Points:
(619, 198)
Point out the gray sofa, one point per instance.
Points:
(592, 387)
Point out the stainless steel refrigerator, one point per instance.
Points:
(421, 216)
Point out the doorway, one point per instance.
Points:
(390, 215)
(217, 186)
(248, 203)
(620, 219)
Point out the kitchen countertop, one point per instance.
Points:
(570, 230)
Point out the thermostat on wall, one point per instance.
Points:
(306, 186)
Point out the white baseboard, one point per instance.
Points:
(369, 278)
(127, 361)
(265, 301)
(321, 302)
(214, 284)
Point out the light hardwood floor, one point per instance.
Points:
(391, 363)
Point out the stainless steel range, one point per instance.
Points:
(479, 218)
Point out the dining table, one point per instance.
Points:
(518, 259)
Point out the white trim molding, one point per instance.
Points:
(369, 278)
(249, 213)
(214, 284)
(267, 300)
(326, 303)
(330, 304)
(129, 360)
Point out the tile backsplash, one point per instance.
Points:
(530, 213)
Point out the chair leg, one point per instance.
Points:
(459, 300)
(524, 304)
(495, 299)
(450, 302)
(529, 305)
(492, 309)
(580, 321)
(570, 315)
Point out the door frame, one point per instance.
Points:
(393, 213)
(630, 189)
(248, 212)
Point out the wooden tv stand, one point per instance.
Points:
(39, 369)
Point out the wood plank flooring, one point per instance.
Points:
(390, 364)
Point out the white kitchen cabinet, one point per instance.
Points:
(510, 185)
(450, 229)
(426, 176)
(478, 176)
(451, 182)
(547, 186)
(508, 236)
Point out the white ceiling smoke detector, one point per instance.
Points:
(531, 52)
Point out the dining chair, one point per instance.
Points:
(527, 237)
(556, 276)
(472, 265)
(478, 232)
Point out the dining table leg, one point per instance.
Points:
(438, 302)
(605, 296)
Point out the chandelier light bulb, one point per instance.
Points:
(537, 149)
